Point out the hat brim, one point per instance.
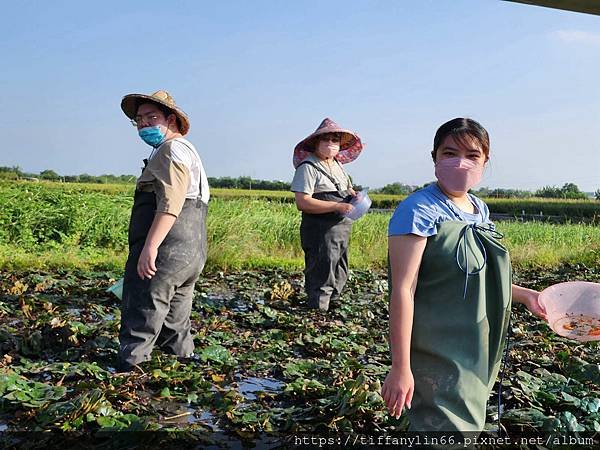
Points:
(131, 102)
(350, 146)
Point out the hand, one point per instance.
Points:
(352, 192)
(343, 208)
(397, 390)
(146, 266)
(532, 303)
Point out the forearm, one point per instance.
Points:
(521, 294)
(314, 206)
(401, 322)
(161, 225)
(405, 253)
(529, 298)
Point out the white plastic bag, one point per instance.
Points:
(361, 204)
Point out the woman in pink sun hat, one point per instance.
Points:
(323, 189)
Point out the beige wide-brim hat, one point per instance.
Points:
(131, 103)
(350, 145)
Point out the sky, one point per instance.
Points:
(256, 77)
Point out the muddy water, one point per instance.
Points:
(248, 387)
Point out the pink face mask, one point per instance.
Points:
(328, 149)
(458, 174)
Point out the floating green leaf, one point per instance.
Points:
(216, 353)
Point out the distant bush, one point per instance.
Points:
(11, 173)
(8, 176)
(395, 189)
(569, 190)
(502, 193)
(248, 183)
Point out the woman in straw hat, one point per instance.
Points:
(167, 234)
(450, 292)
(323, 189)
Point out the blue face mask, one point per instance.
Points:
(152, 135)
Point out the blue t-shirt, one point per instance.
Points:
(422, 210)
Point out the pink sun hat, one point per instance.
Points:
(350, 145)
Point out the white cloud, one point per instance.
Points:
(578, 37)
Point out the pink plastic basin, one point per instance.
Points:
(573, 309)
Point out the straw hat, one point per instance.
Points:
(350, 145)
(131, 102)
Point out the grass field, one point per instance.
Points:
(60, 225)
(575, 209)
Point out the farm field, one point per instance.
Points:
(588, 209)
(68, 225)
(265, 364)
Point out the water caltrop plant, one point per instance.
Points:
(264, 363)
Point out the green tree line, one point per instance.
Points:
(248, 183)
(567, 191)
(15, 173)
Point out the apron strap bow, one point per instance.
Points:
(475, 229)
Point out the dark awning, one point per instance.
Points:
(584, 6)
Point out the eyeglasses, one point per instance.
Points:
(147, 118)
